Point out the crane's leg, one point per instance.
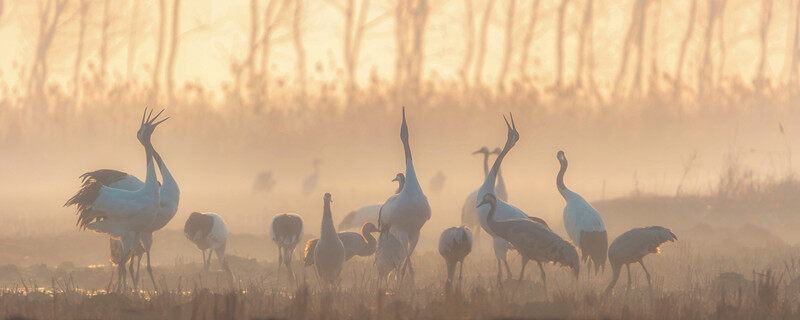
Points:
(451, 270)
(110, 281)
(224, 262)
(499, 272)
(522, 271)
(460, 270)
(280, 261)
(204, 258)
(122, 277)
(289, 263)
(649, 285)
(133, 279)
(150, 271)
(138, 265)
(628, 265)
(617, 269)
(500, 246)
(508, 270)
(208, 262)
(544, 277)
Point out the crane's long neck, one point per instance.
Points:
(167, 180)
(411, 182)
(485, 165)
(371, 242)
(400, 184)
(151, 181)
(501, 184)
(327, 230)
(560, 179)
(491, 223)
(491, 178)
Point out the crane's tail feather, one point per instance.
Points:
(308, 252)
(83, 200)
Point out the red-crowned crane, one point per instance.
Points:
(407, 211)
(469, 214)
(389, 255)
(329, 252)
(124, 214)
(208, 232)
(355, 244)
(286, 230)
(455, 244)
(369, 213)
(584, 224)
(532, 240)
(632, 246)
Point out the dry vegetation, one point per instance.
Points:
(732, 202)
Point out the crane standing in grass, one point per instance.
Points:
(208, 232)
(368, 213)
(286, 230)
(632, 246)
(584, 224)
(533, 240)
(455, 244)
(407, 211)
(355, 244)
(329, 253)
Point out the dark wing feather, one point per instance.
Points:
(104, 176)
(308, 252)
(83, 200)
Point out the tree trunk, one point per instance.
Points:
(76, 75)
(677, 81)
(527, 40)
(795, 50)
(104, 42)
(562, 11)
(487, 13)
(132, 40)
(508, 48)
(766, 19)
(173, 51)
(469, 28)
(162, 26)
(299, 49)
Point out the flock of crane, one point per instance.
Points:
(129, 211)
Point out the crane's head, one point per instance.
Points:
(148, 125)
(400, 177)
(369, 227)
(561, 156)
(497, 151)
(404, 128)
(489, 199)
(327, 198)
(484, 151)
(513, 135)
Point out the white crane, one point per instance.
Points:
(389, 255)
(455, 244)
(632, 246)
(500, 187)
(310, 182)
(169, 197)
(469, 215)
(532, 240)
(286, 230)
(208, 232)
(584, 224)
(368, 213)
(124, 214)
(355, 244)
(505, 211)
(406, 212)
(329, 254)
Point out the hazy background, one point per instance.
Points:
(269, 86)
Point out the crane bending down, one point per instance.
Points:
(169, 198)
(329, 252)
(533, 240)
(355, 244)
(505, 211)
(455, 244)
(369, 213)
(407, 211)
(286, 230)
(208, 232)
(633, 246)
(584, 224)
(120, 213)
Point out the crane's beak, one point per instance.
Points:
(477, 152)
(395, 179)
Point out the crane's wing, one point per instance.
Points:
(113, 178)
(360, 216)
(219, 232)
(95, 201)
(308, 252)
(538, 241)
(580, 216)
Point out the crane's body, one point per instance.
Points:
(208, 232)
(329, 253)
(286, 230)
(368, 214)
(632, 246)
(355, 244)
(455, 244)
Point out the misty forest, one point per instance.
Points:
(399, 159)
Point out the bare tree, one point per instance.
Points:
(49, 16)
(355, 21)
(633, 37)
(721, 41)
(794, 50)
(274, 13)
(655, 71)
(469, 34)
(705, 69)
(76, 73)
(562, 11)
(104, 41)
(300, 51)
(133, 39)
(508, 47)
(763, 31)
(173, 50)
(162, 26)
(487, 13)
(687, 35)
(584, 72)
(527, 40)
(411, 18)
